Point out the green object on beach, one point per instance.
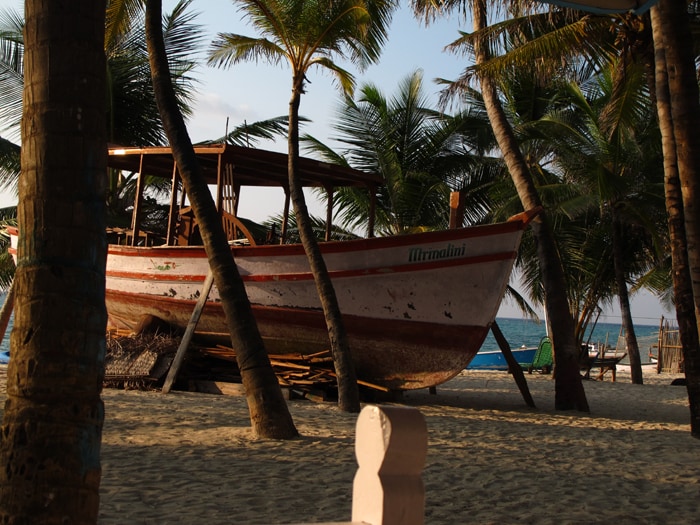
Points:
(543, 357)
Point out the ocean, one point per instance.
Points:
(519, 332)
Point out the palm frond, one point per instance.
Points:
(249, 134)
(9, 165)
(11, 72)
(230, 49)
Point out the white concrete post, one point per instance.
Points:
(391, 445)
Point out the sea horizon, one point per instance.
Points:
(528, 332)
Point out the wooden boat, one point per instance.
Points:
(416, 307)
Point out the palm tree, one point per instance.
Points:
(664, 18)
(528, 104)
(422, 155)
(132, 114)
(133, 117)
(269, 414)
(248, 134)
(569, 391)
(607, 144)
(309, 33)
(671, 24)
(678, 110)
(53, 416)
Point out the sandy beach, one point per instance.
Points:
(190, 458)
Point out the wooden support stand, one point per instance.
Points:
(189, 332)
(513, 365)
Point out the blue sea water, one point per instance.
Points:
(519, 332)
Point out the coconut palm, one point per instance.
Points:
(53, 415)
(663, 19)
(422, 155)
(563, 157)
(629, 38)
(526, 102)
(9, 165)
(132, 113)
(11, 71)
(308, 33)
(269, 414)
(608, 146)
(248, 134)
(569, 391)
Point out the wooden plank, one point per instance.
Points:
(323, 353)
(287, 364)
(288, 357)
(364, 383)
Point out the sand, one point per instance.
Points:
(190, 458)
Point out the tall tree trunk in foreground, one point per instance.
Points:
(569, 392)
(348, 393)
(269, 414)
(685, 111)
(682, 285)
(52, 425)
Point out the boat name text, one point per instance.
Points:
(420, 254)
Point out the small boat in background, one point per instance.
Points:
(648, 367)
(495, 360)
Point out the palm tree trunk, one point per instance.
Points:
(348, 392)
(682, 286)
(52, 424)
(269, 414)
(569, 392)
(623, 297)
(685, 110)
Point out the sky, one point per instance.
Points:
(256, 91)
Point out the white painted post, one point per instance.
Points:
(391, 445)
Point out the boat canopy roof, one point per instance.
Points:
(251, 167)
